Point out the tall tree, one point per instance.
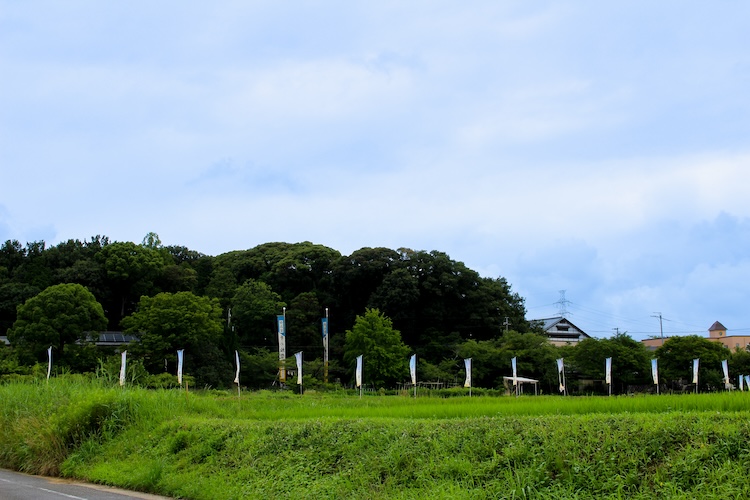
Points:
(384, 352)
(254, 308)
(131, 271)
(171, 321)
(59, 316)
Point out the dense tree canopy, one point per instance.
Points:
(168, 322)
(442, 310)
(630, 360)
(676, 360)
(59, 316)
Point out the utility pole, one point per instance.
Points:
(506, 324)
(661, 329)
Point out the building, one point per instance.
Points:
(560, 331)
(716, 332)
(102, 339)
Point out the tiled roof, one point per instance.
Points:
(717, 326)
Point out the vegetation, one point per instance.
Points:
(435, 302)
(173, 298)
(59, 316)
(373, 335)
(276, 445)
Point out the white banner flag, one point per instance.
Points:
(655, 371)
(608, 371)
(696, 362)
(49, 361)
(298, 356)
(358, 374)
(467, 365)
(179, 366)
(725, 368)
(237, 374)
(123, 364)
(747, 382)
(413, 369)
(560, 374)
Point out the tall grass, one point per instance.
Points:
(270, 445)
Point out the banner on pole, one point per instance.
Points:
(560, 372)
(467, 365)
(298, 357)
(655, 371)
(725, 368)
(608, 371)
(123, 364)
(358, 373)
(324, 332)
(515, 371)
(49, 361)
(281, 324)
(413, 369)
(237, 373)
(696, 362)
(179, 366)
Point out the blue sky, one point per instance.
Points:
(597, 148)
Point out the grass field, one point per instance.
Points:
(270, 445)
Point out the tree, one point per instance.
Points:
(676, 360)
(168, 322)
(384, 352)
(630, 360)
(254, 309)
(131, 271)
(59, 316)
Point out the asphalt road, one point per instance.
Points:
(17, 486)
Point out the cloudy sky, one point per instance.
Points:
(601, 148)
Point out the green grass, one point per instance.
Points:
(267, 445)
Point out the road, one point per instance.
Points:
(17, 486)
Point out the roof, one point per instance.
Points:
(717, 326)
(115, 338)
(550, 323)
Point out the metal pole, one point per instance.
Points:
(325, 352)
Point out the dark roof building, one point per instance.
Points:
(560, 331)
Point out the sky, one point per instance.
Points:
(596, 148)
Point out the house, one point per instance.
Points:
(560, 331)
(717, 333)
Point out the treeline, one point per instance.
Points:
(173, 298)
(435, 302)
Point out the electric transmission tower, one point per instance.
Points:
(562, 305)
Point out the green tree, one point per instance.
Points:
(630, 361)
(254, 309)
(59, 316)
(676, 361)
(384, 352)
(131, 271)
(171, 321)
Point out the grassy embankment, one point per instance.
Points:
(212, 446)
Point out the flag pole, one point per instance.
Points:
(325, 349)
